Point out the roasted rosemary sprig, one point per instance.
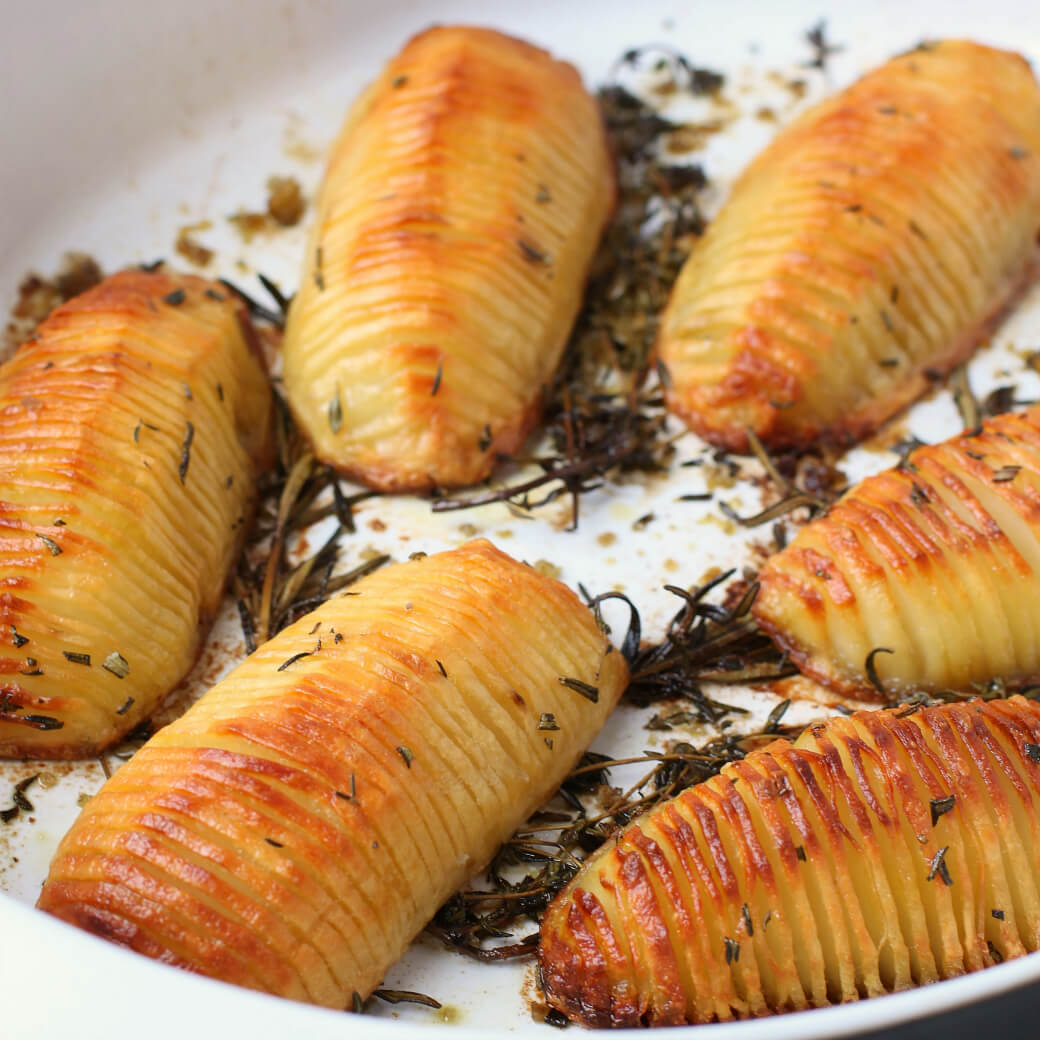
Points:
(271, 590)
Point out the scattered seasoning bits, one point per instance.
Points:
(941, 806)
(998, 957)
(220, 391)
(32, 667)
(294, 659)
(214, 295)
(800, 852)
(887, 320)
(437, 379)
(141, 424)
(745, 914)
(889, 362)
(938, 867)
(276, 844)
(19, 801)
(187, 392)
(532, 252)
(335, 412)
(590, 693)
(17, 638)
(1033, 752)
(543, 194)
(485, 438)
(405, 752)
(117, 664)
(1005, 474)
(127, 704)
(175, 298)
(1018, 152)
(77, 658)
(871, 669)
(319, 274)
(732, 950)
(41, 721)
(52, 545)
(189, 436)
(357, 1005)
(767, 918)
(997, 914)
(398, 82)
(547, 720)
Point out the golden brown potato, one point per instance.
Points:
(460, 211)
(297, 828)
(877, 852)
(131, 425)
(864, 252)
(926, 576)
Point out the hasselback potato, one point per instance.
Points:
(878, 851)
(926, 576)
(305, 819)
(131, 424)
(864, 253)
(460, 211)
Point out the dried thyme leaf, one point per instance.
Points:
(587, 691)
(938, 867)
(117, 664)
(406, 996)
(185, 462)
(1033, 752)
(52, 545)
(732, 948)
(940, 806)
(406, 754)
(125, 707)
(292, 660)
(175, 298)
(335, 414)
(17, 638)
(547, 720)
(76, 657)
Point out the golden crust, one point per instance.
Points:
(933, 568)
(867, 250)
(300, 825)
(460, 211)
(131, 427)
(879, 851)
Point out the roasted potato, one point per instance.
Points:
(459, 215)
(877, 852)
(131, 426)
(926, 576)
(863, 254)
(299, 826)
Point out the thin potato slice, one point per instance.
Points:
(866, 250)
(899, 819)
(298, 827)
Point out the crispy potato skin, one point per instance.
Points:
(935, 564)
(806, 874)
(131, 428)
(458, 218)
(867, 250)
(299, 826)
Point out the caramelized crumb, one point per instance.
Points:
(38, 296)
(285, 202)
(188, 247)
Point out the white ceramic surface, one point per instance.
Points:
(124, 121)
